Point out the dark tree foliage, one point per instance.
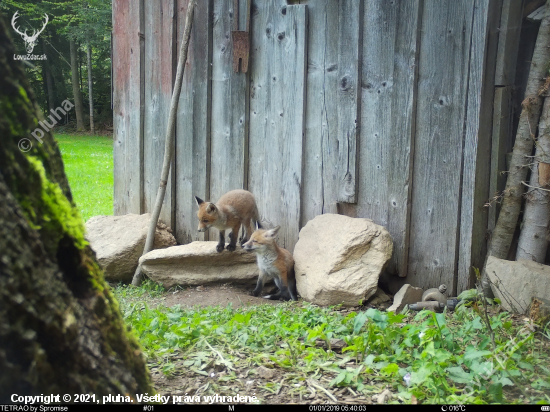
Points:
(84, 21)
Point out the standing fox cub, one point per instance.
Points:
(274, 262)
(233, 209)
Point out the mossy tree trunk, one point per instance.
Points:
(61, 330)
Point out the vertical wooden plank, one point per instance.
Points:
(127, 116)
(440, 116)
(321, 125)
(505, 72)
(477, 142)
(193, 122)
(390, 59)
(500, 146)
(508, 42)
(277, 106)
(332, 107)
(159, 75)
(229, 107)
(348, 97)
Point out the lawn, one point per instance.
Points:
(89, 167)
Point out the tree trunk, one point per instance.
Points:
(61, 331)
(532, 240)
(501, 237)
(90, 88)
(76, 87)
(48, 80)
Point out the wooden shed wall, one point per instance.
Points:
(380, 109)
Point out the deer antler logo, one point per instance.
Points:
(30, 41)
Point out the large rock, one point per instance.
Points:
(515, 283)
(338, 259)
(198, 263)
(118, 242)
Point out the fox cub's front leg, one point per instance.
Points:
(259, 285)
(233, 238)
(221, 243)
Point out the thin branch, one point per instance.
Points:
(534, 187)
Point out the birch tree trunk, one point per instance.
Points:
(90, 88)
(61, 331)
(532, 240)
(508, 217)
(76, 87)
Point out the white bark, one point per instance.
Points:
(532, 241)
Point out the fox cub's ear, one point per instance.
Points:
(257, 226)
(199, 200)
(211, 208)
(272, 232)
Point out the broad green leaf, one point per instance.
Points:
(503, 380)
(474, 354)
(495, 391)
(421, 375)
(390, 369)
(458, 375)
(360, 320)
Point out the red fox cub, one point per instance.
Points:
(274, 262)
(233, 209)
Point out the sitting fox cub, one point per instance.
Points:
(233, 209)
(274, 262)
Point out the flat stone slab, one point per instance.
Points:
(198, 263)
(516, 283)
(407, 294)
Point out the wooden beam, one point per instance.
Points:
(127, 103)
(193, 123)
(277, 107)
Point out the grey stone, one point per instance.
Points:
(338, 259)
(516, 283)
(118, 242)
(406, 295)
(379, 297)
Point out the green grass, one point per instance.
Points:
(448, 357)
(89, 167)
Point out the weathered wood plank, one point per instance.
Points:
(319, 188)
(160, 61)
(501, 145)
(127, 100)
(477, 142)
(193, 122)
(440, 115)
(390, 58)
(229, 105)
(348, 97)
(277, 106)
(508, 42)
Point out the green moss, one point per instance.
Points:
(58, 212)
